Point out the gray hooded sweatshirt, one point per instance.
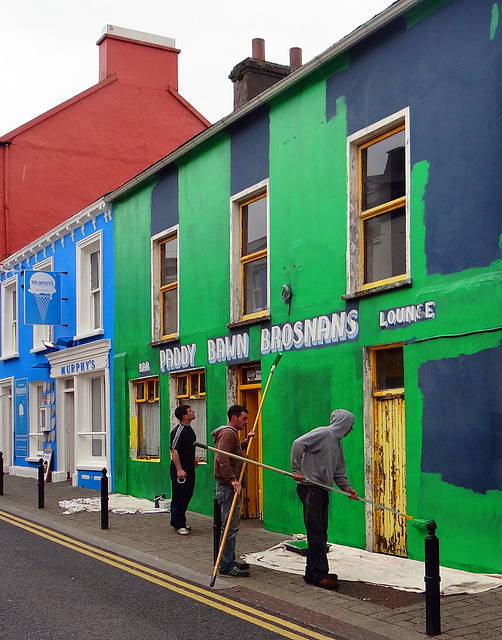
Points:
(318, 454)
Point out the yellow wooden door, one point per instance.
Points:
(389, 452)
(249, 395)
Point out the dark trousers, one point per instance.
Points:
(181, 495)
(315, 515)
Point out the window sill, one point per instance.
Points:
(90, 334)
(36, 459)
(159, 343)
(10, 356)
(248, 321)
(379, 289)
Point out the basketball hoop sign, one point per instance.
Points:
(42, 297)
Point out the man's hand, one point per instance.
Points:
(237, 486)
(298, 477)
(181, 474)
(352, 494)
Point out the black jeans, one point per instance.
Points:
(181, 495)
(315, 515)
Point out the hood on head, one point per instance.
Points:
(341, 422)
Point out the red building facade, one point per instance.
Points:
(54, 165)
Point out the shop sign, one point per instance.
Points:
(233, 348)
(321, 331)
(405, 316)
(178, 358)
(77, 367)
(144, 369)
(42, 297)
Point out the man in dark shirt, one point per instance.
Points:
(182, 469)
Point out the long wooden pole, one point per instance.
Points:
(241, 475)
(319, 484)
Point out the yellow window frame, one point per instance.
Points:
(144, 399)
(172, 286)
(250, 257)
(190, 377)
(375, 211)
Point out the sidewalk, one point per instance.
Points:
(357, 610)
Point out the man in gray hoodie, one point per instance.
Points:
(317, 457)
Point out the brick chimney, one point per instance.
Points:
(138, 58)
(253, 75)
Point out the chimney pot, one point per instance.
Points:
(295, 57)
(258, 49)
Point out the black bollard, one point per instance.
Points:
(104, 500)
(1, 473)
(41, 485)
(216, 529)
(432, 580)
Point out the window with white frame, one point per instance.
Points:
(39, 420)
(145, 425)
(378, 253)
(165, 285)
(191, 390)
(89, 268)
(91, 425)
(249, 254)
(10, 336)
(42, 331)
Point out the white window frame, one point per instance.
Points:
(156, 241)
(236, 294)
(84, 433)
(355, 285)
(37, 414)
(10, 318)
(42, 331)
(85, 296)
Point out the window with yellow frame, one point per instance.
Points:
(168, 280)
(253, 256)
(191, 390)
(382, 208)
(145, 438)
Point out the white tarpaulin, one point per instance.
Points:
(376, 568)
(117, 503)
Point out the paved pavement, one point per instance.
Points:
(357, 610)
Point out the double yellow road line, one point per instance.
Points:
(204, 596)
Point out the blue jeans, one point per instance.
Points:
(225, 496)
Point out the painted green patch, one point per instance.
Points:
(495, 20)
(422, 11)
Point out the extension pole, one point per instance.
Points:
(241, 475)
(291, 475)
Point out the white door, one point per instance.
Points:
(69, 426)
(6, 426)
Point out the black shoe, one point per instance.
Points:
(243, 566)
(234, 572)
(310, 579)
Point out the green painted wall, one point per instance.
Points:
(308, 238)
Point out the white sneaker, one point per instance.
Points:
(183, 531)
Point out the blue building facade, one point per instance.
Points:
(55, 378)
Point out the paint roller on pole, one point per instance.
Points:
(244, 459)
(291, 475)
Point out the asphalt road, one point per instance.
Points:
(53, 588)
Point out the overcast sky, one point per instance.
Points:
(48, 49)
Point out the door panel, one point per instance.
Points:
(389, 475)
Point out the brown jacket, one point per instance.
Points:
(226, 469)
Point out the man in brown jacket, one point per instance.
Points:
(226, 472)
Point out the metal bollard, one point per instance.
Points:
(432, 580)
(1, 473)
(216, 529)
(41, 484)
(104, 500)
